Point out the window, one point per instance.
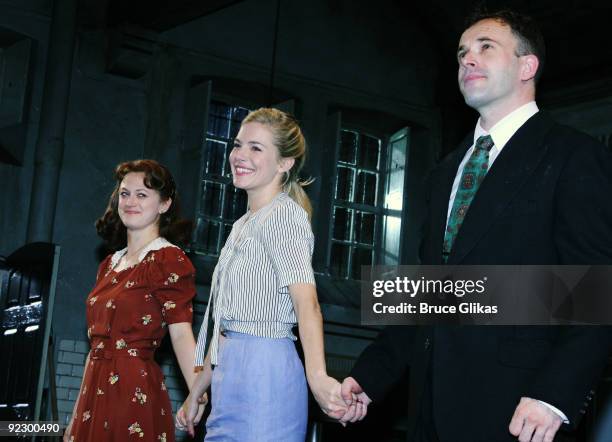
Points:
(394, 198)
(220, 202)
(367, 201)
(212, 122)
(355, 201)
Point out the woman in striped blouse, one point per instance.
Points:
(262, 286)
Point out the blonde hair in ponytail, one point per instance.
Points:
(290, 142)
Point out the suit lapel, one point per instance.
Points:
(516, 162)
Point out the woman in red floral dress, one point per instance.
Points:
(141, 291)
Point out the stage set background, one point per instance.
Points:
(120, 80)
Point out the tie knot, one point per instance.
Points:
(484, 142)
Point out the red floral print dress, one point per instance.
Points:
(123, 396)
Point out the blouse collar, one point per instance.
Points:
(156, 244)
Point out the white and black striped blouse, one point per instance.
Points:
(266, 251)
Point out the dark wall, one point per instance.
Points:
(29, 21)
(105, 126)
(381, 64)
(373, 62)
(357, 45)
(126, 104)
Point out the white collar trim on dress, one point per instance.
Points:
(156, 244)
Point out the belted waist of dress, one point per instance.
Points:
(101, 349)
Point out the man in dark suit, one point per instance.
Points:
(520, 190)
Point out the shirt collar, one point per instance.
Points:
(156, 244)
(503, 130)
(278, 198)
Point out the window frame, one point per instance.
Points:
(202, 113)
(378, 210)
(223, 180)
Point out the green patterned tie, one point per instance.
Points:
(473, 174)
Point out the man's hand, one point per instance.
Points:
(356, 399)
(534, 422)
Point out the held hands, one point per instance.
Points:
(190, 413)
(326, 391)
(534, 422)
(344, 403)
(356, 400)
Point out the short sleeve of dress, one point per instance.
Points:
(172, 281)
(289, 241)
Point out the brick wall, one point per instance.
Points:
(68, 374)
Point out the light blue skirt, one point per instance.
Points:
(259, 392)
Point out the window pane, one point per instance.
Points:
(344, 183)
(364, 227)
(361, 257)
(215, 157)
(395, 175)
(221, 204)
(238, 114)
(342, 224)
(212, 194)
(219, 117)
(359, 210)
(348, 146)
(339, 260)
(235, 203)
(227, 170)
(366, 188)
(369, 152)
(207, 233)
(391, 240)
(227, 228)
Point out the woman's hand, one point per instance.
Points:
(190, 413)
(327, 392)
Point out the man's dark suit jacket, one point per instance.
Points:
(545, 200)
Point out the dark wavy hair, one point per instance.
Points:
(156, 177)
(524, 28)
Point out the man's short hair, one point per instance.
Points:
(527, 32)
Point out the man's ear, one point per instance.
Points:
(285, 164)
(529, 66)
